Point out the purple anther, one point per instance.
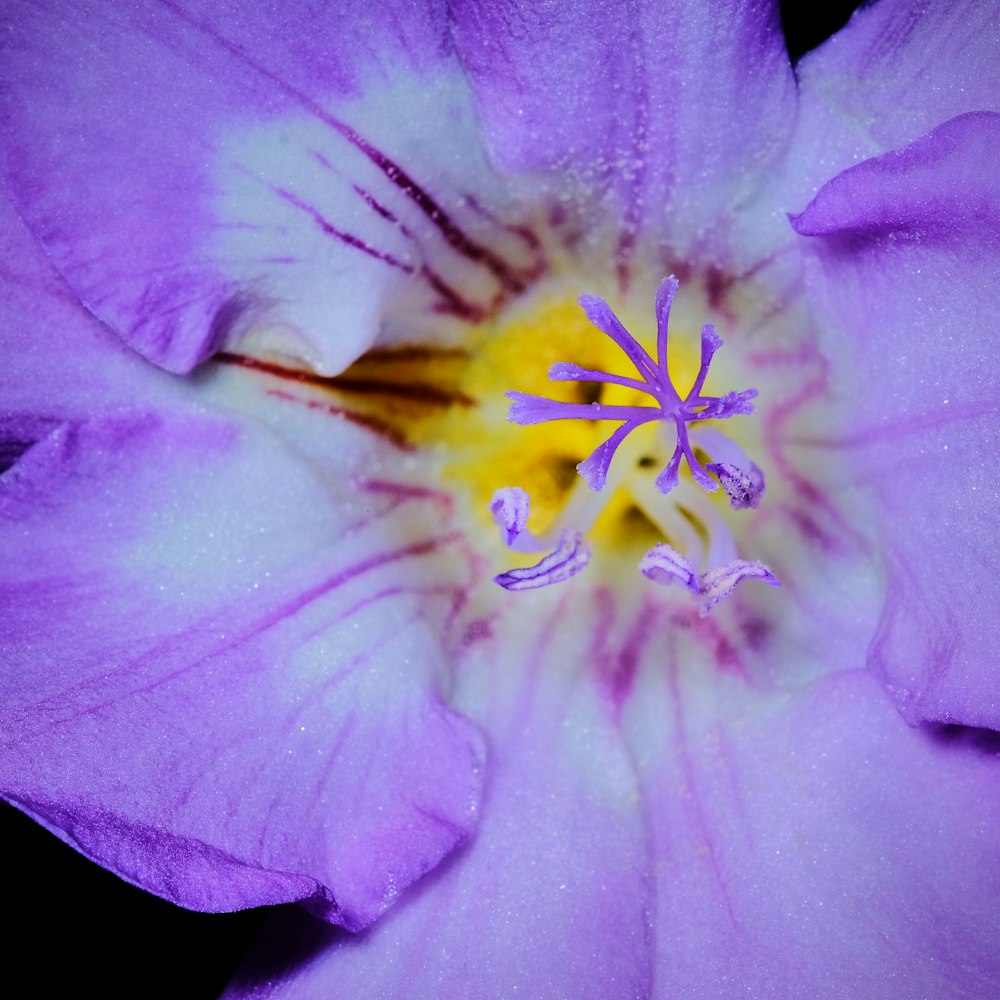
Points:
(510, 507)
(665, 565)
(744, 489)
(570, 556)
(720, 582)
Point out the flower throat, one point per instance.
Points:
(646, 495)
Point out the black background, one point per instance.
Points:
(95, 930)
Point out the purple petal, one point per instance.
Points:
(905, 271)
(643, 99)
(190, 174)
(775, 836)
(58, 361)
(570, 556)
(811, 845)
(898, 69)
(562, 844)
(218, 680)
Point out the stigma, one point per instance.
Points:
(711, 568)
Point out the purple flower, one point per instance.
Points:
(267, 278)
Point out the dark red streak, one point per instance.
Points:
(454, 304)
(452, 234)
(415, 352)
(379, 427)
(422, 393)
(380, 209)
(331, 230)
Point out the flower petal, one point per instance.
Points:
(641, 99)
(551, 898)
(905, 269)
(219, 679)
(58, 361)
(811, 844)
(896, 70)
(196, 173)
(782, 842)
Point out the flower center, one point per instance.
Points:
(614, 445)
(582, 480)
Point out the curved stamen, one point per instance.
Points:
(571, 555)
(665, 565)
(740, 477)
(744, 489)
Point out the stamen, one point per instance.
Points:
(721, 581)
(510, 508)
(665, 565)
(570, 556)
(741, 478)
(743, 490)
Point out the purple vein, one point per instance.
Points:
(331, 230)
(450, 231)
